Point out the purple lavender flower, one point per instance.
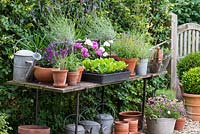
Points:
(56, 54)
(95, 44)
(99, 52)
(78, 46)
(63, 52)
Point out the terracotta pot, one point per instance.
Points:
(180, 123)
(192, 105)
(133, 115)
(80, 70)
(121, 127)
(133, 124)
(131, 64)
(73, 78)
(59, 77)
(33, 129)
(42, 74)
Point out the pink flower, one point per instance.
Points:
(78, 45)
(85, 53)
(99, 52)
(95, 44)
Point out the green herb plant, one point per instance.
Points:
(126, 46)
(104, 65)
(72, 62)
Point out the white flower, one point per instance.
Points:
(102, 49)
(168, 112)
(110, 41)
(106, 43)
(88, 42)
(105, 54)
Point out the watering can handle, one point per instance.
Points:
(28, 73)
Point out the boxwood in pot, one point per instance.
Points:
(191, 81)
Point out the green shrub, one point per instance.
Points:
(191, 81)
(190, 61)
(4, 124)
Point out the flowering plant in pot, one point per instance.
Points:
(60, 72)
(126, 50)
(161, 112)
(60, 33)
(50, 56)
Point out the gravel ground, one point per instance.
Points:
(191, 127)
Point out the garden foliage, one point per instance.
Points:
(21, 19)
(185, 64)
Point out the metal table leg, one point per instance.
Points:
(102, 99)
(143, 101)
(77, 112)
(36, 106)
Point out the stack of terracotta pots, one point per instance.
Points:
(121, 127)
(133, 125)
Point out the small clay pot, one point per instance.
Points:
(73, 78)
(131, 62)
(133, 124)
(59, 78)
(180, 123)
(121, 127)
(80, 70)
(33, 129)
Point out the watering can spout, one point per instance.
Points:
(36, 56)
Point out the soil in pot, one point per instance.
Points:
(33, 129)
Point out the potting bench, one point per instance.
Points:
(83, 86)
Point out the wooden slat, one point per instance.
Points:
(188, 26)
(174, 48)
(185, 44)
(197, 41)
(193, 40)
(189, 42)
(181, 45)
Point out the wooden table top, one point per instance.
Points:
(81, 86)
